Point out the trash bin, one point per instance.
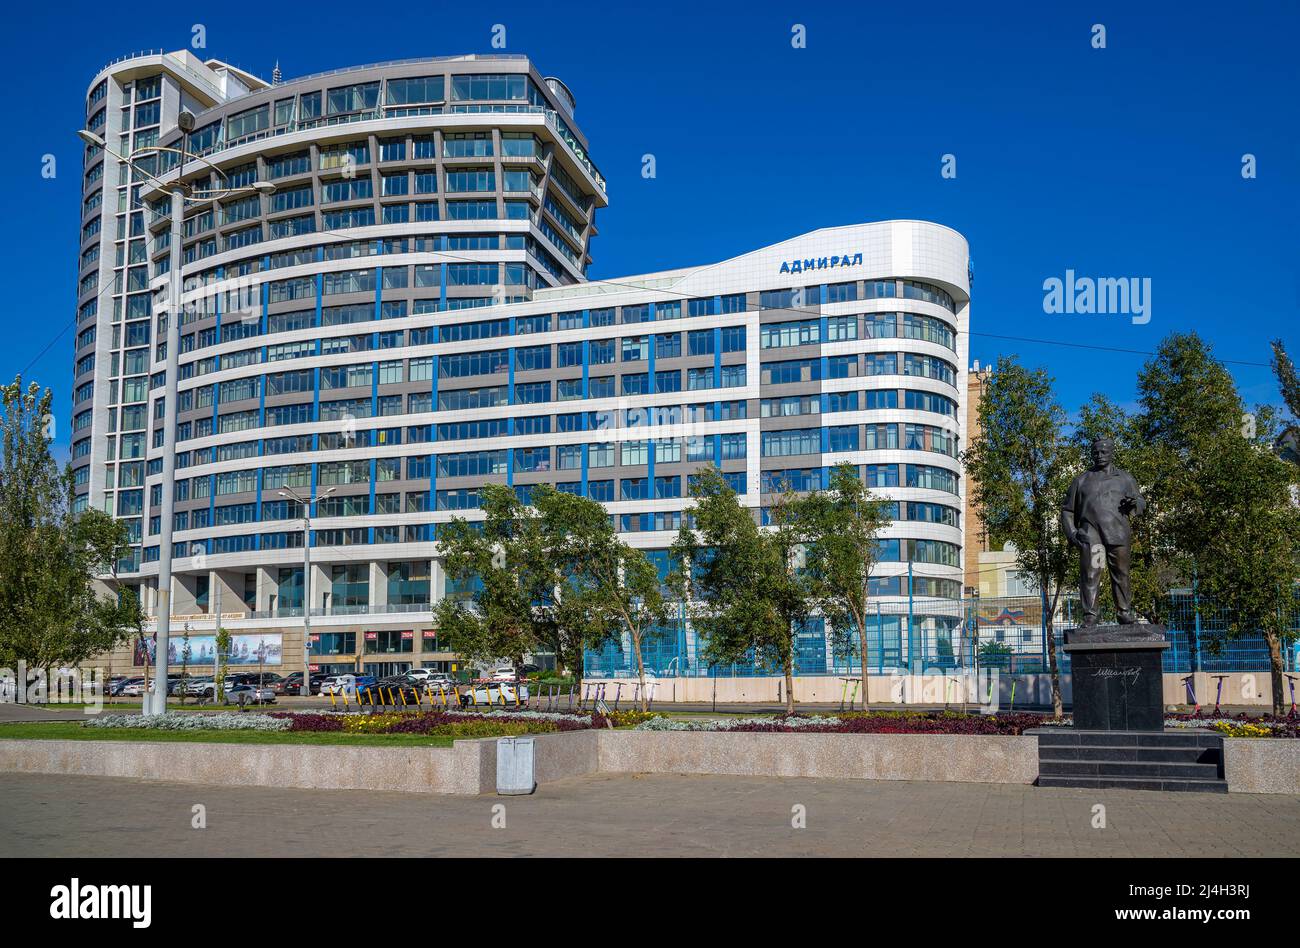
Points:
(515, 766)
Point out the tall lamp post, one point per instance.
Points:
(156, 703)
(292, 494)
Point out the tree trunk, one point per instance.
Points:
(640, 671)
(789, 685)
(1276, 668)
(1058, 710)
(866, 657)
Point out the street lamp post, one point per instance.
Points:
(179, 191)
(305, 690)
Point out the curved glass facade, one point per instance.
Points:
(407, 317)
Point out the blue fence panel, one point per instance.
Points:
(1005, 633)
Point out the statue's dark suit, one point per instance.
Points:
(1095, 516)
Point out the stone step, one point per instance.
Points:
(1127, 769)
(1163, 755)
(1067, 737)
(1133, 783)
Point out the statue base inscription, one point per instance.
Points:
(1117, 678)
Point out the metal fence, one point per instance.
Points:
(1005, 633)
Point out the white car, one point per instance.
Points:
(494, 692)
(249, 694)
(339, 685)
(332, 685)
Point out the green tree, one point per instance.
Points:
(538, 589)
(1248, 563)
(1288, 379)
(1019, 471)
(571, 607)
(609, 589)
(743, 589)
(187, 653)
(60, 603)
(503, 554)
(1225, 499)
(219, 662)
(839, 529)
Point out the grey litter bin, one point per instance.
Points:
(515, 766)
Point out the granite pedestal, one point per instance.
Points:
(1117, 678)
(1118, 738)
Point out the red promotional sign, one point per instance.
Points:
(372, 636)
(408, 635)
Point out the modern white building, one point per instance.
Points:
(407, 317)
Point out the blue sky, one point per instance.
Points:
(1116, 162)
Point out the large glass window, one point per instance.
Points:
(489, 87)
(355, 98)
(415, 91)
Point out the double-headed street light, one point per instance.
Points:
(292, 494)
(180, 193)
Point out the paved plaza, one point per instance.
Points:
(629, 815)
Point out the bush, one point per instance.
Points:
(224, 721)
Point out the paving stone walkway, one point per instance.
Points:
(629, 815)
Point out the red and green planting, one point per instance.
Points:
(861, 722)
(463, 724)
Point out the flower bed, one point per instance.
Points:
(863, 722)
(223, 721)
(1240, 725)
(447, 723)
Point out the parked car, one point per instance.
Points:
(494, 692)
(250, 678)
(132, 688)
(338, 684)
(249, 694)
(197, 686)
(395, 687)
(423, 674)
(292, 684)
(112, 682)
(177, 684)
(119, 682)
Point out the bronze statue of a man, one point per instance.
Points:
(1095, 518)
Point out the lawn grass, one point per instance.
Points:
(73, 731)
(109, 707)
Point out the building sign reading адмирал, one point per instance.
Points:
(821, 263)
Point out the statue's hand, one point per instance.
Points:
(1127, 506)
